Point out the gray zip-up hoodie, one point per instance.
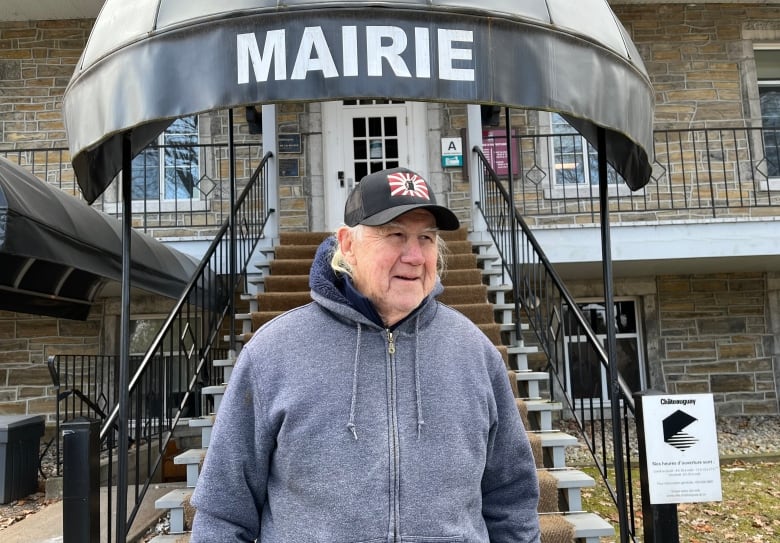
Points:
(335, 430)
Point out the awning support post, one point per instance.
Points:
(609, 305)
(124, 350)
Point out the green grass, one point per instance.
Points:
(749, 512)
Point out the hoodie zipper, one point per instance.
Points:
(394, 438)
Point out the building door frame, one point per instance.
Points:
(342, 154)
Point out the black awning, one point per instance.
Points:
(148, 63)
(56, 252)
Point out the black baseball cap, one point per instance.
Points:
(382, 196)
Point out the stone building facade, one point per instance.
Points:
(701, 331)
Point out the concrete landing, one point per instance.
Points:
(45, 526)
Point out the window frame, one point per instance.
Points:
(587, 153)
(771, 182)
(146, 202)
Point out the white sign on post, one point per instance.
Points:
(681, 440)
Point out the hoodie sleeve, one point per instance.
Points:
(231, 489)
(510, 490)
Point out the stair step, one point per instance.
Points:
(571, 482)
(171, 538)
(528, 382)
(530, 375)
(540, 413)
(589, 527)
(481, 243)
(464, 294)
(488, 257)
(554, 445)
(287, 252)
(205, 423)
(282, 301)
(217, 391)
(510, 326)
(175, 501)
(227, 367)
(477, 313)
(303, 238)
(462, 261)
(193, 459)
(452, 277)
(285, 283)
(492, 331)
(461, 234)
(523, 349)
(459, 247)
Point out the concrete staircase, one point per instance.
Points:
(473, 286)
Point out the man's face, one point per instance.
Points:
(394, 265)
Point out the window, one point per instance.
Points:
(768, 72)
(587, 378)
(169, 168)
(575, 160)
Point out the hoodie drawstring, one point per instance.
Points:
(353, 403)
(417, 388)
(420, 421)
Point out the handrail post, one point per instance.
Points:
(609, 307)
(513, 229)
(233, 235)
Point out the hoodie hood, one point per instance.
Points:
(328, 289)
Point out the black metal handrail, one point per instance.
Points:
(697, 174)
(86, 386)
(179, 358)
(179, 195)
(572, 349)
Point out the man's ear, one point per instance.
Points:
(345, 237)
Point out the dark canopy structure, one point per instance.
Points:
(148, 62)
(56, 252)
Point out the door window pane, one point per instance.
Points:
(375, 144)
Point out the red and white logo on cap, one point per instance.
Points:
(407, 184)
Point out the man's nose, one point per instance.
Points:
(413, 253)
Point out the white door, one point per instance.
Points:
(365, 136)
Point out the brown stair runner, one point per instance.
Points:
(464, 290)
(556, 529)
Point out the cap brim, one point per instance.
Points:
(445, 219)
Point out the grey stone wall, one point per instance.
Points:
(716, 336)
(26, 342)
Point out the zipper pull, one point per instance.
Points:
(390, 342)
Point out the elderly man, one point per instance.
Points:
(375, 413)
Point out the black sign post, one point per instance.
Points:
(661, 524)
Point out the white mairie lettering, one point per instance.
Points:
(378, 48)
(384, 47)
(423, 54)
(249, 52)
(314, 40)
(349, 50)
(448, 53)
